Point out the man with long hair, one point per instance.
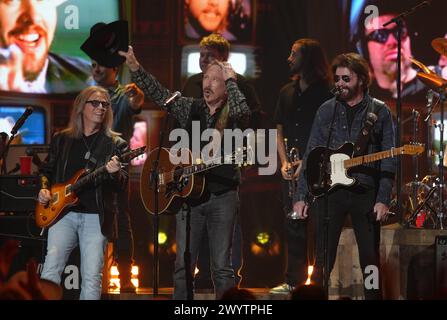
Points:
(340, 120)
(222, 107)
(297, 104)
(216, 47)
(87, 143)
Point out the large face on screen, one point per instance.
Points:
(210, 14)
(382, 47)
(30, 25)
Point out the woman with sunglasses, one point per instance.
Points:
(87, 143)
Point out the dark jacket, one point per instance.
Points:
(53, 171)
(374, 174)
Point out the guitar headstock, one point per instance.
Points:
(129, 155)
(413, 148)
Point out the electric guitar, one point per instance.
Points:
(340, 160)
(63, 195)
(177, 182)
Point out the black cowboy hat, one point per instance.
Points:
(105, 41)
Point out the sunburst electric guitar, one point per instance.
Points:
(63, 195)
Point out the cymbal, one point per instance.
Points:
(433, 81)
(440, 46)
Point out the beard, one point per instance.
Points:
(32, 68)
(351, 92)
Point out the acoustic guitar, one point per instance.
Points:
(177, 182)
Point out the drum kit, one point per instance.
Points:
(427, 202)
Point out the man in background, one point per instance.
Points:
(127, 101)
(297, 105)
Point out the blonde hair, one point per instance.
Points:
(218, 42)
(76, 125)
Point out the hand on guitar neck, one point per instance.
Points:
(112, 166)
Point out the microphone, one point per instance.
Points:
(429, 97)
(415, 113)
(21, 120)
(336, 91)
(172, 98)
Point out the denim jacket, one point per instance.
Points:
(378, 174)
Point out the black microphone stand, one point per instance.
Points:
(4, 155)
(155, 218)
(399, 21)
(324, 181)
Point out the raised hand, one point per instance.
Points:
(131, 60)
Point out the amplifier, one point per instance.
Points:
(441, 265)
(18, 193)
(39, 153)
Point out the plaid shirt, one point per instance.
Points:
(181, 108)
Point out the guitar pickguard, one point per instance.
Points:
(176, 186)
(338, 172)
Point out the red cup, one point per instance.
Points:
(25, 164)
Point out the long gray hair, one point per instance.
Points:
(76, 125)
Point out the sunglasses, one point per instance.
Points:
(381, 35)
(97, 103)
(345, 79)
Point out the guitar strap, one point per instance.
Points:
(361, 144)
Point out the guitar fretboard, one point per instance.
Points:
(167, 177)
(357, 161)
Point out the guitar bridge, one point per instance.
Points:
(176, 186)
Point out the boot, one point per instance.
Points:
(126, 285)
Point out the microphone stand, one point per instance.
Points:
(155, 218)
(324, 180)
(4, 155)
(441, 161)
(399, 20)
(415, 183)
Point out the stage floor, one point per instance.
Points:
(408, 263)
(166, 294)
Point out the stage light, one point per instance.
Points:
(265, 244)
(310, 270)
(114, 282)
(162, 238)
(263, 238)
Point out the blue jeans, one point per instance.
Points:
(63, 237)
(218, 216)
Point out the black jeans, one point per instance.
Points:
(217, 215)
(359, 202)
(296, 240)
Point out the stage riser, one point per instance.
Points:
(408, 265)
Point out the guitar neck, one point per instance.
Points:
(197, 168)
(358, 161)
(88, 178)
